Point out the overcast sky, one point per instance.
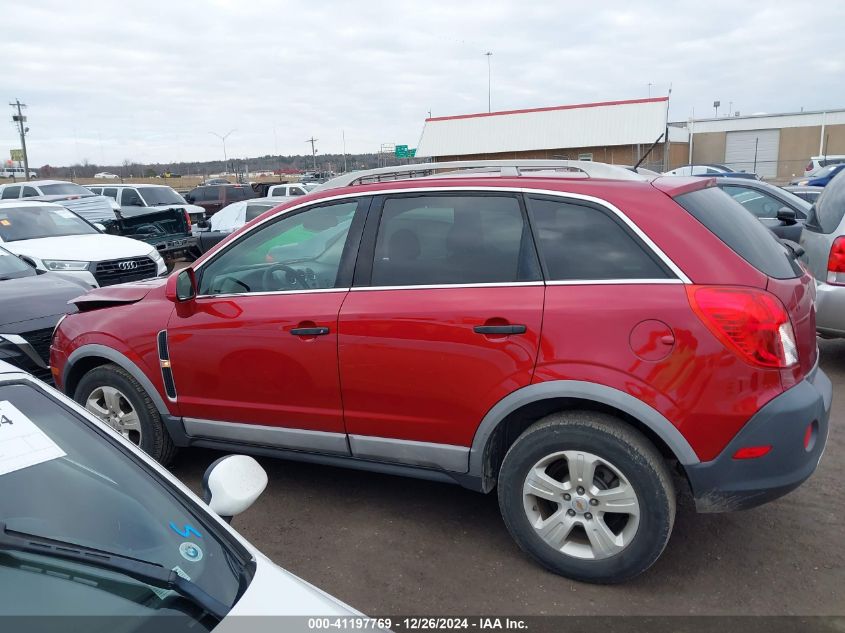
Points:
(147, 81)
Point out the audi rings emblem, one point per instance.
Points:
(127, 265)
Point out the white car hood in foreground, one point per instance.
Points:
(85, 248)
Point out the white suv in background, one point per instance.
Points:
(53, 238)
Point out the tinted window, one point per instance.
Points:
(296, 252)
(296, 191)
(760, 204)
(741, 231)
(111, 192)
(579, 242)
(11, 193)
(238, 193)
(29, 192)
(11, 267)
(130, 198)
(254, 210)
(453, 240)
(826, 215)
(205, 194)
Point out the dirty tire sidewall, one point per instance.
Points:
(621, 445)
(155, 440)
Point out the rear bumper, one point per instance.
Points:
(725, 484)
(830, 310)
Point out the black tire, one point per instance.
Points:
(625, 448)
(155, 440)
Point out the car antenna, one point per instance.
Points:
(648, 151)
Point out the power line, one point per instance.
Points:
(19, 120)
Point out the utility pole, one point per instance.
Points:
(343, 133)
(223, 138)
(313, 140)
(20, 119)
(649, 89)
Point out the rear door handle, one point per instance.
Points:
(499, 329)
(309, 331)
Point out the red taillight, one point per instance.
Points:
(752, 452)
(836, 262)
(188, 219)
(751, 322)
(809, 166)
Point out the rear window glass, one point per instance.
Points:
(826, 215)
(741, 231)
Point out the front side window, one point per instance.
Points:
(296, 191)
(238, 193)
(83, 488)
(155, 196)
(29, 192)
(130, 198)
(29, 223)
(437, 240)
(296, 252)
(110, 192)
(578, 242)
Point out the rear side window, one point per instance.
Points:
(826, 215)
(238, 193)
(463, 239)
(11, 193)
(578, 242)
(741, 231)
(254, 210)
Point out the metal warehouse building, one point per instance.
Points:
(617, 132)
(775, 146)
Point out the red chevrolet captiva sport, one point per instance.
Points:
(576, 337)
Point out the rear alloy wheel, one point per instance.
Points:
(587, 496)
(113, 395)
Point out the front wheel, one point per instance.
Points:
(587, 496)
(114, 396)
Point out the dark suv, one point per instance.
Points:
(212, 198)
(566, 341)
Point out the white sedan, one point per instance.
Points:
(104, 175)
(93, 526)
(53, 238)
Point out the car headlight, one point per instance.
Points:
(156, 256)
(63, 264)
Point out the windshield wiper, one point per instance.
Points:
(144, 571)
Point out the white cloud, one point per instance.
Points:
(148, 80)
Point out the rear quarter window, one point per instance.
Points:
(741, 231)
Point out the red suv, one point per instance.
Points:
(570, 342)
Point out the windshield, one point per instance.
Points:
(29, 223)
(81, 486)
(12, 267)
(154, 196)
(65, 189)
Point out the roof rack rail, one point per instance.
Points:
(469, 168)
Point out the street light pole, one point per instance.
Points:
(223, 139)
(313, 140)
(488, 54)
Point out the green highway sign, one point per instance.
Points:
(401, 151)
(412, 152)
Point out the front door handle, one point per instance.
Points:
(309, 331)
(499, 329)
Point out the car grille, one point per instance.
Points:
(40, 342)
(118, 271)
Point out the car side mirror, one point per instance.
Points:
(786, 215)
(797, 249)
(182, 286)
(189, 198)
(232, 484)
(204, 224)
